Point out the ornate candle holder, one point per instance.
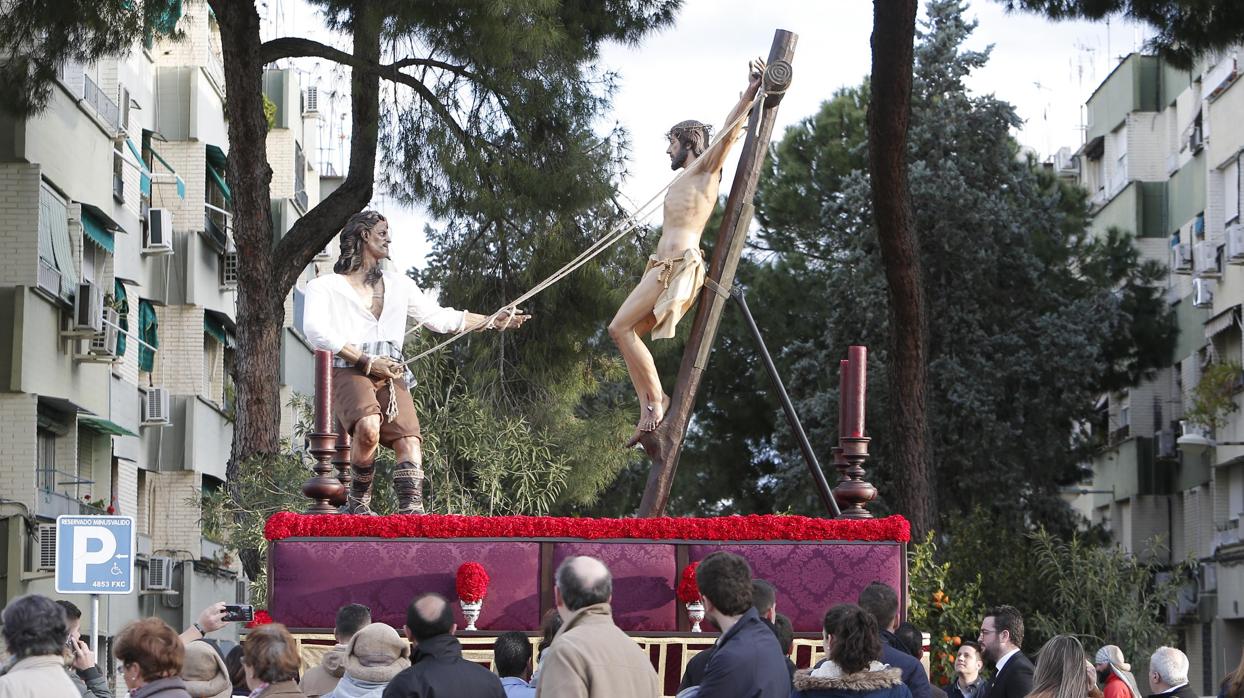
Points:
(695, 614)
(341, 461)
(322, 488)
(852, 491)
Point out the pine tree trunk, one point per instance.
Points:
(260, 307)
(889, 115)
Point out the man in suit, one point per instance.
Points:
(1001, 634)
(882, 603)
(1168, 674)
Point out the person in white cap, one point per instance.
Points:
(1117, 673)
(376, 654)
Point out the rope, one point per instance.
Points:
(619, 231)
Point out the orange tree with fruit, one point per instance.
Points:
(948, 614)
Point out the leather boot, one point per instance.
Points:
(408, 484)
(359, 501)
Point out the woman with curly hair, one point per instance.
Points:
(853, 668)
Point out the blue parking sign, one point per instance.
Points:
(94, 554)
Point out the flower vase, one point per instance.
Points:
(695, 614)
(470, 611)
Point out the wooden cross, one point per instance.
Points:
(664, 444)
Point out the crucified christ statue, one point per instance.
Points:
(675, 273)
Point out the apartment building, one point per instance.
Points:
(117, 312)
(1161, 160)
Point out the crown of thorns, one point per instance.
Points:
(691, 129)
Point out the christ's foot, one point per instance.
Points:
(654, 414)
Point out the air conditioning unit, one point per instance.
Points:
(104, 343)
(242, 591)
(156, 407)
(1181, 254)
(1203, 293)
(46, 552)
(1205, 260)
(159, 231)
(159, 574)
(88, 309)
(1235, 243)
(311, 101)
(1196, 139)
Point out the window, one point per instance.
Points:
(46, 453)
(56, 272)
(1231, 191)
(118, 177)
(213, 369)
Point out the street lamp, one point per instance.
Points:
(1194, 442)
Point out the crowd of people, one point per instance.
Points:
(869, 653)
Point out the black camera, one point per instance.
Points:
(239, 612)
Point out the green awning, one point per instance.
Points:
(97, 231)
(123, 310)
(148, 331)
(103, 426)
(217, 161)
(144, 174)
(213, 327)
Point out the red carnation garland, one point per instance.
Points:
(261, 618)
(722, 528)
(688, 590)
(472, 582)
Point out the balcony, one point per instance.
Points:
(1228, 535)
(101, 103)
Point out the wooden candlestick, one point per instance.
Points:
(341, 461)
(322, 488)
(852, 492)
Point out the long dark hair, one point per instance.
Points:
(351, 258)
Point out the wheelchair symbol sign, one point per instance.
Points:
(94, 554)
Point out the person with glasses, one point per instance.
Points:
(1001, 634)
(151, 656)
(322, 679)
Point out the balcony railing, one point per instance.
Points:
(100, 102)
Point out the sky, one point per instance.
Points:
(1045, 69)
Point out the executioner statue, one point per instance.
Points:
(359, 314)
(675, 273)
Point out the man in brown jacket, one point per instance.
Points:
(590, 656)
(321, 679)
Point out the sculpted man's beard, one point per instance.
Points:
(679, 159)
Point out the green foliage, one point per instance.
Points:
(38, 37)
(1102, 595)
(948, 611)
(269, 112)
(1213, 398)
(1185, 30)
(1032, 319)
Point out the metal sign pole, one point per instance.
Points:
(95, 625)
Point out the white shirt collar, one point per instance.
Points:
(1004, 658)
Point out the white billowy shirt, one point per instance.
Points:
(334, 314)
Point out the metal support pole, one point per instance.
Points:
(814, 466)
(94, 625)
